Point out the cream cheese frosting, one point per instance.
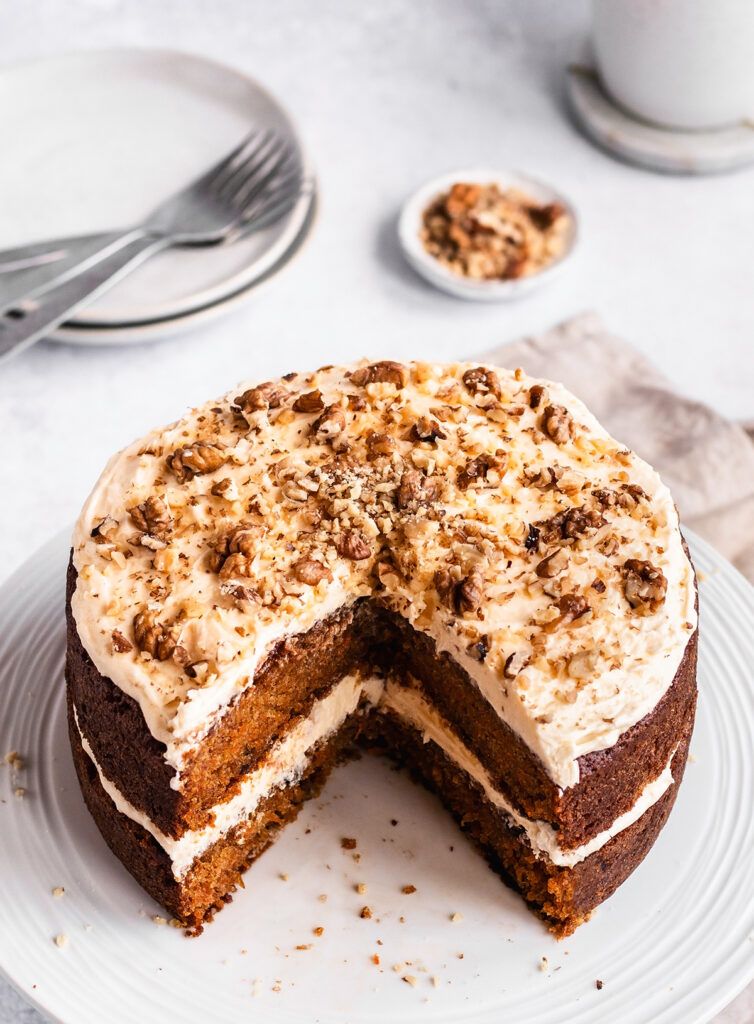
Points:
(489, 509)
(289, 757)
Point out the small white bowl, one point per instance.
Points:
(410, 223)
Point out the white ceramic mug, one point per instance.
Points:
(685, 64)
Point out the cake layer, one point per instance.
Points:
(563, 895)
(285, 763)
(490, 510)
(208, 886)
(610, 781)
(288, 760)
(302, 670)
(193, 877)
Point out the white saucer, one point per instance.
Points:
(95, 139)
(410, 224)
(672, 946)
(638, 142)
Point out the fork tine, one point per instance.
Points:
(269, 214)
(260, 193)
(207, 176)
(253, 164)
(260, 205)
(252, 150)
(269, 177)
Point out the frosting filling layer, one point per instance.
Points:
(289, 757)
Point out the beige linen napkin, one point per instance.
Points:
(706, 461)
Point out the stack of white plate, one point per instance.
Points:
(94, 140)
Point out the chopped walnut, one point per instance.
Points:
(309, 402)
(104, 530)
(196, 459)
(384, 372)
(482, 232)
(461, 595)
(480, 380)
(479, 469)
(311, 571)
(416, 489)
(353, 545)
(537, 395)
(571, 524)
(121, 644)
(153, 517)
(330, 424)
(557, 423)
(427, 429)
(644, 586)
(236, 564)
(571, 607)
(469, 593)
(264, 396)
(552, 564)
(582, 665)
(225, 488)
(479, 649)
(515, 663)
(152, 637)
(380, 444)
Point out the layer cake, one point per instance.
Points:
(454, 565)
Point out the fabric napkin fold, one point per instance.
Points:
(706, 460)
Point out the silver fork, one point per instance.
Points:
(248, 189)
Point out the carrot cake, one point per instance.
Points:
(452, 564)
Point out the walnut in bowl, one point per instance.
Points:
(486, 235)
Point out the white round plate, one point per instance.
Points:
(95, 140)
(673, 946)
(410, 224)
(648, 145)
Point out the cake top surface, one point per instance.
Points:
(489, 509)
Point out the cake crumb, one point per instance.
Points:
(319, 930)
(598, 985)
(175, 923)
(278, 986)
(61, 940)
(393, 822)
(58, 892)
(283, 876)
(348, 843)
(14, 760)
(375, 959)
(460, 956)
(19, 792)
(366, 912)
(410, 979)
(159, 919)
(304, 945)
(407, 890)
(360, 888)
(455, 917)
(322, 897)
(435, 981)
(543, 963)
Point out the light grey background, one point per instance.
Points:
(387, 94)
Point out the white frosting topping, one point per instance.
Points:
(288, 760)
(442, 478)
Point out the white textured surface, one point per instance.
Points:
(387, 94)
(670, 946)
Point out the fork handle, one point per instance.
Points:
(20, 327)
